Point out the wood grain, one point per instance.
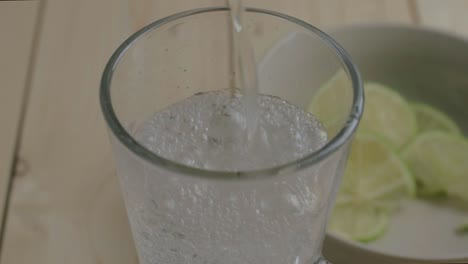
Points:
(16, 31)
(67, 207)
(331, 13)
(448, 15)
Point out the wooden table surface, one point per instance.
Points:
(58, 190)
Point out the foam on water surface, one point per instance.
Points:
(209, 131)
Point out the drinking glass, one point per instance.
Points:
(182, 214)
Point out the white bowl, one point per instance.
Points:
(424, 65)
(428, 66)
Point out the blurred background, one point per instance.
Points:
(59, 197)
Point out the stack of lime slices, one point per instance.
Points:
(399, 150)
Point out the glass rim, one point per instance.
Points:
(341, 138)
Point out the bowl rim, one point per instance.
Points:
(398, 26)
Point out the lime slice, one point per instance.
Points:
(438, 160)
(332, 103)
(360, 223)
(388, 114)
(428, 118)
(463, 228)
(375, 181)
(375, 172)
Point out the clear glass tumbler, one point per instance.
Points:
(181, 214)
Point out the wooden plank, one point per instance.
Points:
(448, 15)
(16, 31)
(331, 13)
(67, 207)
